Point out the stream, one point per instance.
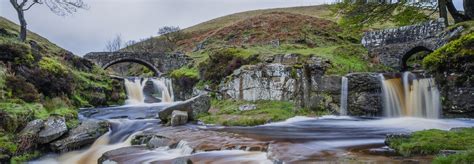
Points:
(338, 139)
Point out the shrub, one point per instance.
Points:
(13, 50)
(20, 88)
(223, 62)
(52, 65)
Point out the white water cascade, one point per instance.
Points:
(344, 94)
(134, 89)
(411, 96)
(166, 88)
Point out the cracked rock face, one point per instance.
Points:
(54, 128)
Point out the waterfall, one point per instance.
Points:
(166, 88)
(410, 96)
(344, 93)
(134, 89)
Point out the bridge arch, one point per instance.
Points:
(410, 52)
(145, 63)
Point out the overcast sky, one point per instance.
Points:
(89, 30)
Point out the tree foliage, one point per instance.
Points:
(361, 13)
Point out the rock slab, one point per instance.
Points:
(54, 128)
(86, 133)
(194, 106)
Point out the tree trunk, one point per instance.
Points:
(21, 18)
(469, 8)
(442, 11)
(458, 17)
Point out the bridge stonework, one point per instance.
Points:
(392, 47)
(159, 63)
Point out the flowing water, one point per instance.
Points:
(344, 95)
(333, 139)
(410, 95)
(134, 88)
(166, 88)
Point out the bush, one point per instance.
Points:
(13, 50)
(18, 87)
(223, 62)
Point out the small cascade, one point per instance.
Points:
(344, 94)
(166, 88)
(410, 96)
(134, 88)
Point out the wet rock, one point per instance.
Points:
(86, 133)
(365, 98)
(54, 128)
(179, 118)
(390, 137)
(153, 141)
(113, 155)
(247, 107)
(194, 106)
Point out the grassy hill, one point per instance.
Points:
(310, 30)
(39, 79)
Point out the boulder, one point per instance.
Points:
(179, 118)
(86, 133)
(32, 128)
(194, 106)
(54, 128)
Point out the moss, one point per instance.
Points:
(25, 157)
(185, 72)
(455, 52)
(18, 114)
(429, 142)
(461, 158)
(52, 65)
(6, 142)
(228, 112)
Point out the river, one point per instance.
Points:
(338, 139)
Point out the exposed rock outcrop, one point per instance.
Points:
(86, 133)
(286, 77)
(194, 106)
(54, 128)
(365, 97)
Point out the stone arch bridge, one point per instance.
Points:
(159, 63)
(393, 47)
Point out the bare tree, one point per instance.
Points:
(114, 44)
(171, 33)
(59, 7)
